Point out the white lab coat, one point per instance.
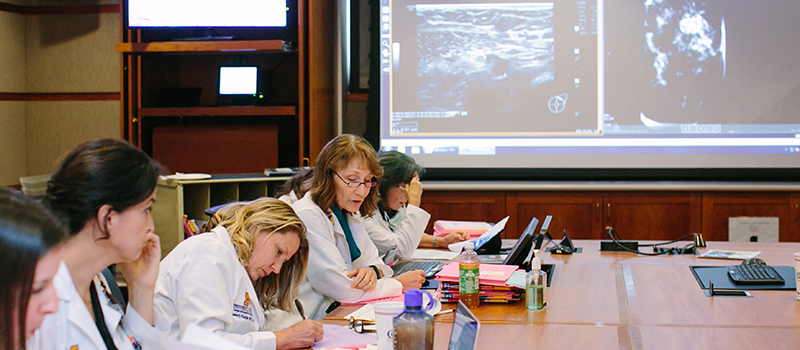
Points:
(403, 239)
(289, 198)
(202, 282)
(73, 327)
(329, 261)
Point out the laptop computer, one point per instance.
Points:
(517, 254)
(466, 327)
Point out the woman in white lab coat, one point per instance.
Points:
(104, 189)
(398, 226)
(343, 263)
(30, 253)
(253, 259)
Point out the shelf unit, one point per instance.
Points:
(175, 198)
(296, 80)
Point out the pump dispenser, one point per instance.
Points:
(536, 285)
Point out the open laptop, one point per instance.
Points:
(465, 329)
(517, 254)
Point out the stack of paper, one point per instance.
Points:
(492, 279)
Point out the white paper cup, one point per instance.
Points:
(797, 273)
(384, 318)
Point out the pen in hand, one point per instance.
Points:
(299, 308)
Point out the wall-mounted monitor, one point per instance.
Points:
(496, 87)
(212, 19)
(207, 13)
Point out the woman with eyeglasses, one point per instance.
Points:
(343, 263)
(398, 226)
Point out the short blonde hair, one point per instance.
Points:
(338, 153)
(244, 221)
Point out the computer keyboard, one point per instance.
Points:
(431, 267)
(754, 274)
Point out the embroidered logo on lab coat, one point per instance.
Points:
(74, 347)
(243, 311)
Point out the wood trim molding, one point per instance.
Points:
(6, 7)
(59, 10)
(59, 96)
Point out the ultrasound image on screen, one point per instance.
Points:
(472, 49)
(490, 67)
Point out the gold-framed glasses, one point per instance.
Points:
(368, 184)
(358, 325)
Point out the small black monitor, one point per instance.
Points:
(517, 254)
(238, 85)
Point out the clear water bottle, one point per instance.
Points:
(413, 328)
(469, 277)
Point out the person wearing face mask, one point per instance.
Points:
(104, 190)
(398, 226)
(343, 263)
(30, 252)
(253, 259)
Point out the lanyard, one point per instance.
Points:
(355, 253)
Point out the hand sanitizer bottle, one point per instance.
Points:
(536, 285)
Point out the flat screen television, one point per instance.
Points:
(232, 19)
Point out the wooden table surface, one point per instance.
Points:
(618, 300)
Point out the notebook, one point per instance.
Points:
(465, 329)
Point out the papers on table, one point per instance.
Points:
(433, 254)
(342, 337)
(517, 279)
(500, 226)
(490, 275)
(729, 254)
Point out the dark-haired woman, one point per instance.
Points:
(104, 189)
(30, 253)
(398, 226)
(343, 264)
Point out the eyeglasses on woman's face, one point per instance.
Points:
(368, 184)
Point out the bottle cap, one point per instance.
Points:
(469, 246)
(413, 298)
(536, 263)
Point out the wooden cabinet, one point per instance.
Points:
(653, 215)
(719, 206)
(464, 206)
(294, 97)
(578, 213)
(635, 215)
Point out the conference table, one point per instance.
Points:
(620, 300)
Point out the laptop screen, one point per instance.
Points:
(465, 329)
(238, 80)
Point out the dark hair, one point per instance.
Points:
(299, 183)
(338, 153)
(99, 172)
(398, 168)
(27, 232)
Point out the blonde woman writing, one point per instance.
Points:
(253, 259)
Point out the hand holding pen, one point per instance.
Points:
(301, 335)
